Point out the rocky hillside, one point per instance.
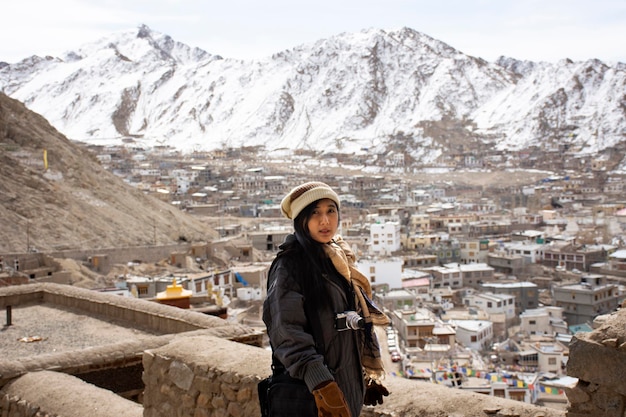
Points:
(55, 195)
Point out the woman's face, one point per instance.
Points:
(323, 221)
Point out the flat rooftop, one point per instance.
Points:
(46, 328)
(54, 326)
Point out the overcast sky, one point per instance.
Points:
(537, 30)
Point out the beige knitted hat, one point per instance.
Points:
(305, 194)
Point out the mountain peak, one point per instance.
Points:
(340, 94)
(144, 31)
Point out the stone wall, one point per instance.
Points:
(201, 373)
(167, 322)
(184, 379)
(46, 393)
(138, 312)
(145, 254)
(123, 255)
(207, 376)
(598, 360)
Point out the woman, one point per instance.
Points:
(318, 314)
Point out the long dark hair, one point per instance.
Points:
(314, 255)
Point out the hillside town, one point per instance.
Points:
(484, 283)
(486, 279)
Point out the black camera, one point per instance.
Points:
(349, 320)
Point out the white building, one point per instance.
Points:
(531, 252)
(184, 178)
(382, 272)
(545, 357)
(543, 321)
(385, 237)
(492, 304)
(474, 334)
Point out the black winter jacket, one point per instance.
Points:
(291, 332)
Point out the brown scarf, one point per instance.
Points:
(344, 260)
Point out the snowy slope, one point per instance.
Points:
(346, 93)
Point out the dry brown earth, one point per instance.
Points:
(72, 202)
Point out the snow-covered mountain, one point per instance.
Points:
(376, 90)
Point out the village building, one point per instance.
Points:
(475, 274)
(543, 321)
(526, 293)
(474, 334)
(383, 272)
(445, 276)
(585, 300)
(385, 238)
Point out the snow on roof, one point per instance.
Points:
(620, 254)
(471, 325)
(509, 284)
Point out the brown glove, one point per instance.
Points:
(374, 393)
(330, 401)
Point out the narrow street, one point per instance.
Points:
(391, 368)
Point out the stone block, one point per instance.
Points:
(203, 401)
(594, 362)
(610, 402)
(181, 375)
(235, 410)
(577, 395)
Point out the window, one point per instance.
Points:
(551, 361)
(500, 393)
(372, 269)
